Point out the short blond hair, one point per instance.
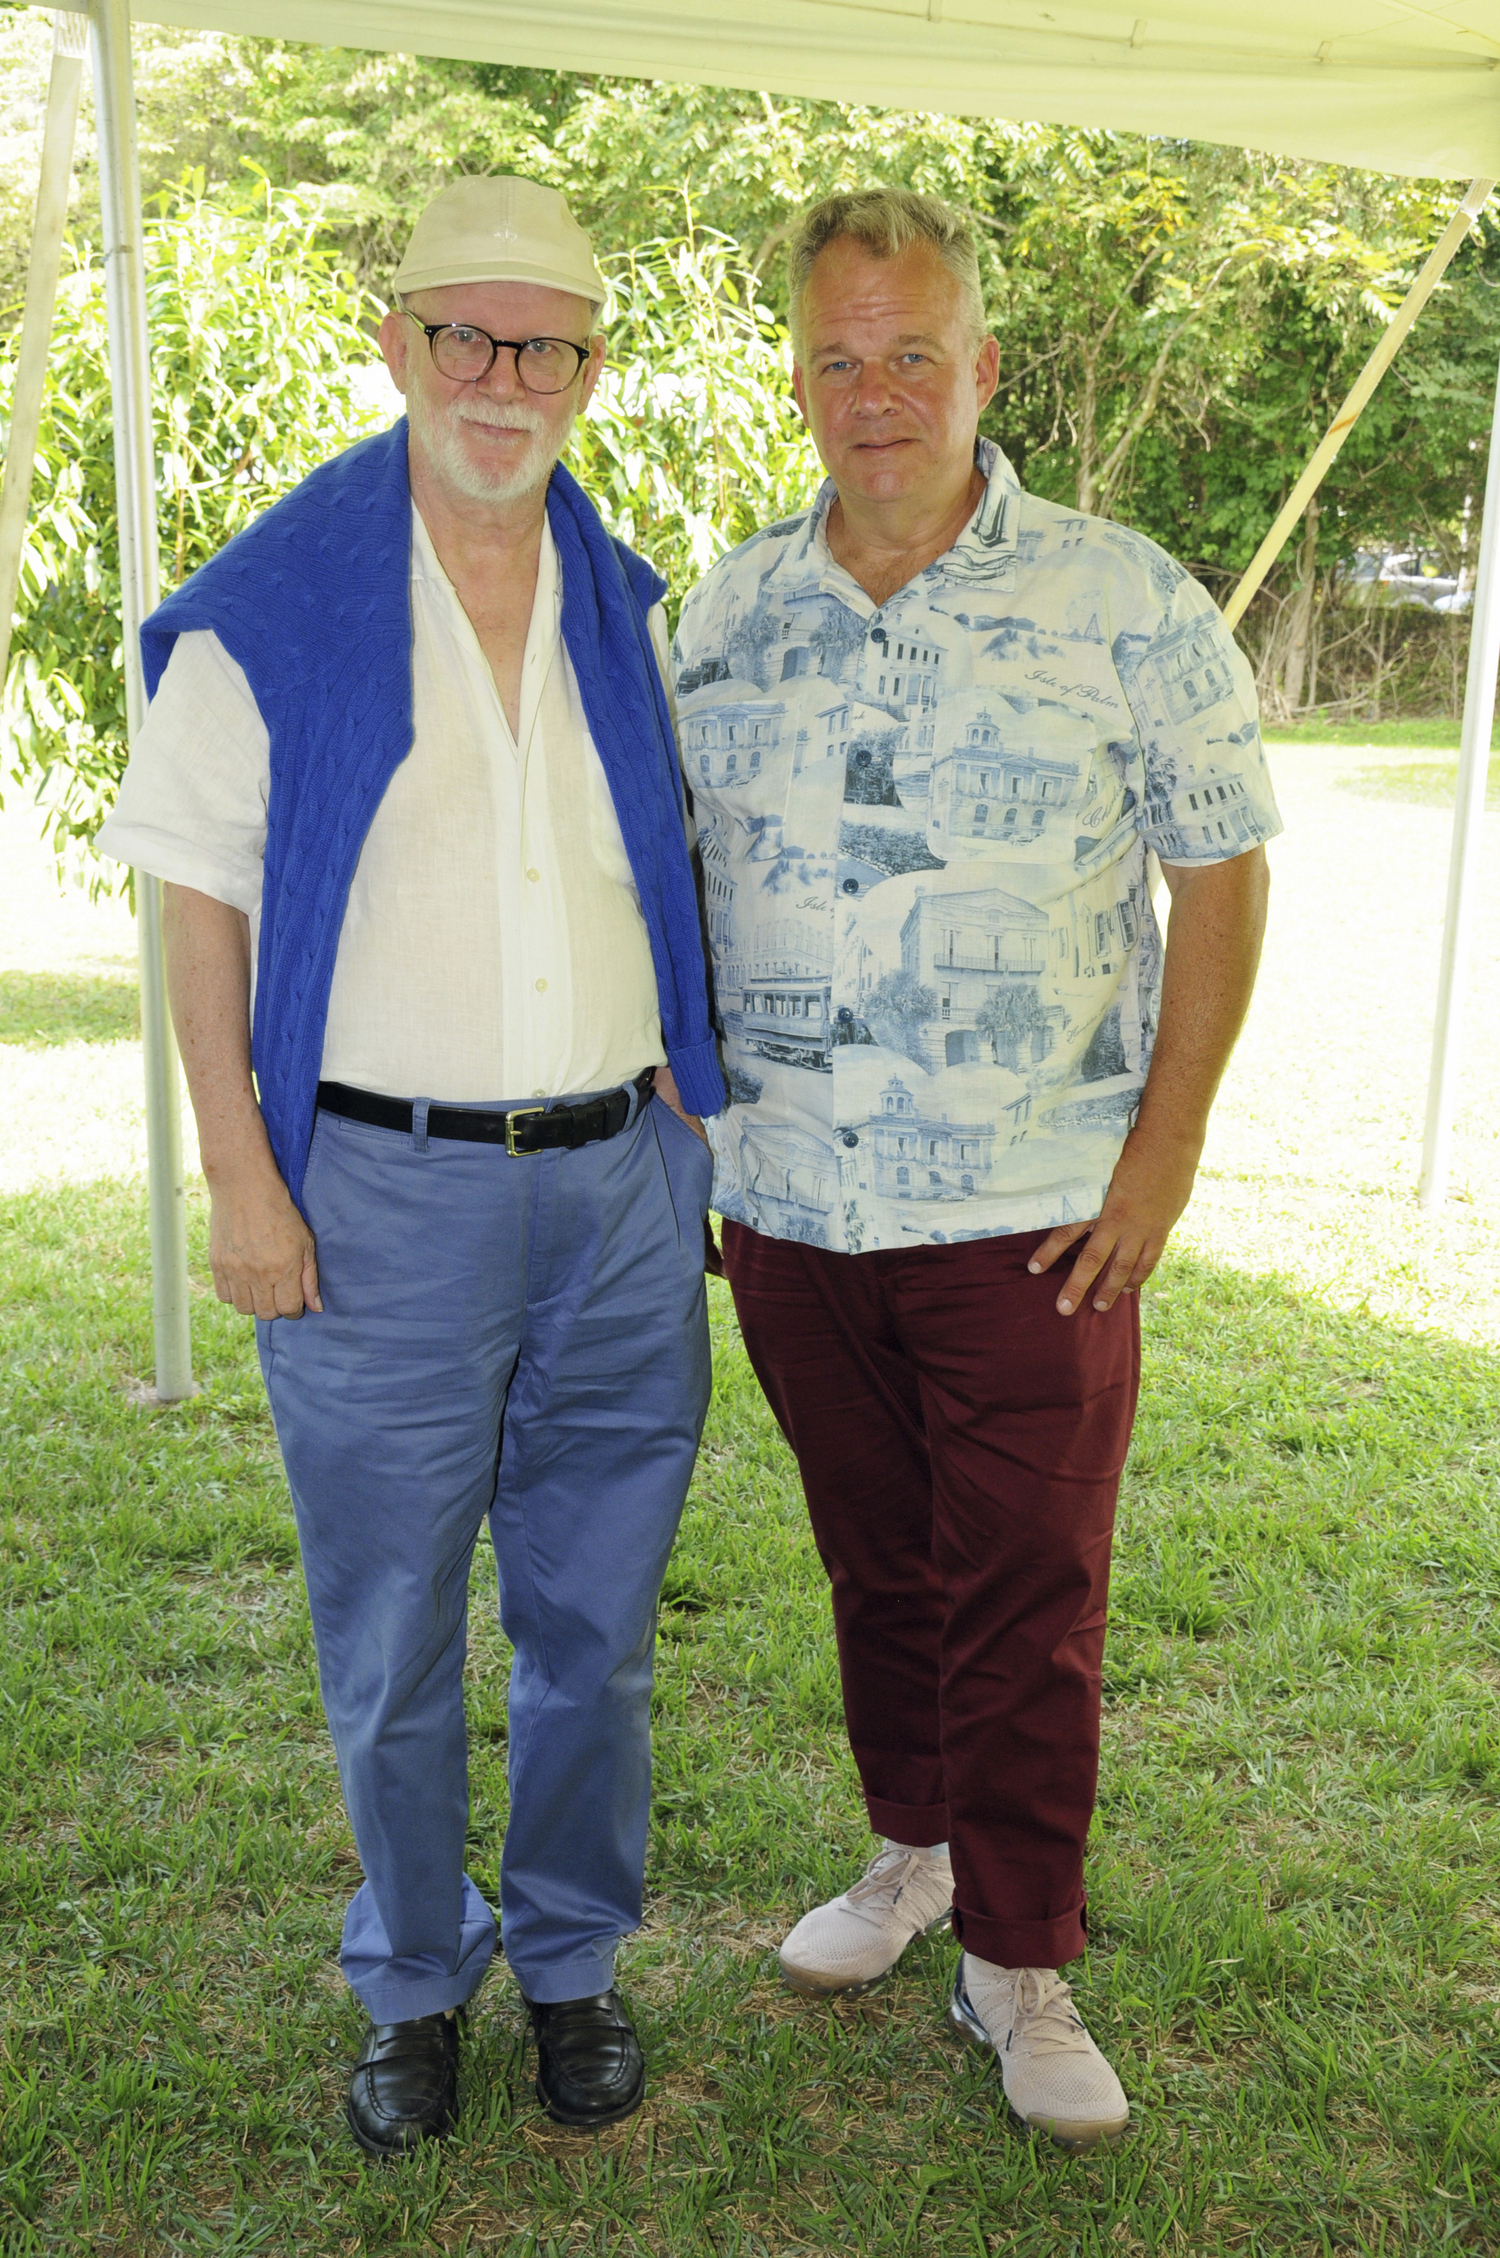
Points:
(885, 222)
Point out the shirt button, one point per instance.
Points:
(843, 1015)
(540, 987)
(539, 1093)
(533, 875)
(851, 1136)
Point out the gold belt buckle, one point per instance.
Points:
(521, 1113)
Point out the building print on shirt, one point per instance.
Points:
(924, 828)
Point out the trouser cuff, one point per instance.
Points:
(432, 1995)
(918, 1825)
(1022, 1944)
(547, 1983)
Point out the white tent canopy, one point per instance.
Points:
(1389, 84)
(1385, 83)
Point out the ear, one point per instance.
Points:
(395, 334)
(593, 369)
(799, 386)
(987, 371)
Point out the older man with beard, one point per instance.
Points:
(434, 954)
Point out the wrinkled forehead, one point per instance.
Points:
(506, 309)
(853, 292)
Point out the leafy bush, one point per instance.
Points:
(693, 439)
(255, 346)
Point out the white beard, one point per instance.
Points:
(437, 430)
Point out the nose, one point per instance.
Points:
(874, 392)
(502, 380)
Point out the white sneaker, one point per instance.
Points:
(1055, 2077)
(854, 1940)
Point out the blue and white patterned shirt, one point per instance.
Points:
(924, 827)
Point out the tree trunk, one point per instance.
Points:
(1299, 637)
(1088, 433)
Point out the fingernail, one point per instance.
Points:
(1066, 1307)
(1101, 1305)
(1035, 1268)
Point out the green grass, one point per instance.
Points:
(1294, 1881)
(1436, 734)
(38, 1009)
(1427, 784)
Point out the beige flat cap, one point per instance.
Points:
(500, 230)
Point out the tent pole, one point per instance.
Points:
(1468, 832)
(1321, 461)
(69, 38)
(140, 588)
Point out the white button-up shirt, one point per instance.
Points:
(493, 945)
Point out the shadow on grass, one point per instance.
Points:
(38, 1009)
(1293, 1887)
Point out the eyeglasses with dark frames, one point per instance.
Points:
(464, 354)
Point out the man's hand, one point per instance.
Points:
(666, 1090)
(260, 1250)
(1213, 948)
(1148, 1191)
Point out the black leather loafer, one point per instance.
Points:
(590, 2071)
(404, 2089)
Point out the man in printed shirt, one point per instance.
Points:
(932, 729)
(410, 757)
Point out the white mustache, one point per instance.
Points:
(518, 419)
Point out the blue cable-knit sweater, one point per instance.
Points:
(313, 601)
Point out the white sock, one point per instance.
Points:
(922, 1849)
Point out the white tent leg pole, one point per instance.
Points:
(69, 38)
(140, 583)
(1468, 831)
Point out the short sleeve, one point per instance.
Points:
(192, 803)
(1192, 694)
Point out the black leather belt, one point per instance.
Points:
(524, 1131)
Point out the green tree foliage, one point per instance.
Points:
(1177, 325)
(255, 341)
(693, 439)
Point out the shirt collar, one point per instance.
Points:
(989, 537)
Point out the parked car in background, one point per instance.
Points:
(1405, 576)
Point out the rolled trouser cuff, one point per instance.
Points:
(582, 1976)
(1023, 1944)
(919, 1826)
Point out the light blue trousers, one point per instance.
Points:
(527, 1339)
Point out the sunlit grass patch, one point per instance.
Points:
(1294, 1895)
(38, 1009)
(1427, 784)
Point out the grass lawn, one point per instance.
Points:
(1434, 732)
(1295, 1880)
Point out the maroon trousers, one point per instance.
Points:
(960, 1446)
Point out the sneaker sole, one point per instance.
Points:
(1077, 2140)
(809, 1986)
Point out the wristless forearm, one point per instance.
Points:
(208, 980)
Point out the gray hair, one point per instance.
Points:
(885, 222)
